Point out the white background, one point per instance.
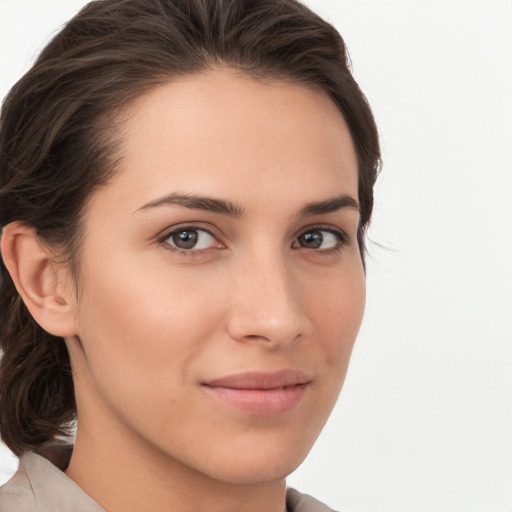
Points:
(424, 422)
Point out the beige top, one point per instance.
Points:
(40, 486)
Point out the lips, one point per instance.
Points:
(260, 393)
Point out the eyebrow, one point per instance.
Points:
(330, 206)
(196, 202)
(230, 209)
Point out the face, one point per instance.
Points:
(222, 284)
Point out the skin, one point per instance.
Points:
(153, 323)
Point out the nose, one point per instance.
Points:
(266, 304)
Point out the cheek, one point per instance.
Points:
(141, 330)
(339, 305)
(338, 313)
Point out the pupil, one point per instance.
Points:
(185, 239)
(312, 239)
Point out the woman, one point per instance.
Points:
(185, 190)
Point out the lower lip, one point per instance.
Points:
(260, 402)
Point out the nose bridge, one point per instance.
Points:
(267, 305)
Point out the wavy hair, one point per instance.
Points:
(58, 144)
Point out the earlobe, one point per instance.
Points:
(39, 281)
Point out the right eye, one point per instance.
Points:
(191, 240)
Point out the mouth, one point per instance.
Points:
(260, 393)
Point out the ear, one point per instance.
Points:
(44, 285)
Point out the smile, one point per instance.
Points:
(261, 394)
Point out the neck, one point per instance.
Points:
(121, 475)
(123, 471)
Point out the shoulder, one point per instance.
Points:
(17, 494)
(298, 502)
(41, 486)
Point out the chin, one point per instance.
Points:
(260, 463)
(250, 472)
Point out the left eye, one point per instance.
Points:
(319, 239)
(187, 239)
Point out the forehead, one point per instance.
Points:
(223, 133)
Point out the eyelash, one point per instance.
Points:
(190, 252)
(342, 238)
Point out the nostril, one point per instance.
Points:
(256, 337)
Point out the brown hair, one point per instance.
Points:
(57, 144)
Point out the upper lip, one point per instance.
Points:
(260, 380)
